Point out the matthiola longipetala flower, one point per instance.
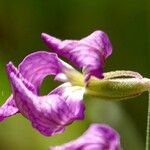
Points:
(50, 113)
(97, 137)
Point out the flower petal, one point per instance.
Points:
(73, 96)
(48, 114)
(34, 68)
(8, 108)
(97, 137)
(88, 53)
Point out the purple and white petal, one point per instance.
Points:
(97, 137)
(73, 96)
(88, 53)
(48, 114)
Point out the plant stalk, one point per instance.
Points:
(148, 126)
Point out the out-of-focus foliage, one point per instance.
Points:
(21, 23)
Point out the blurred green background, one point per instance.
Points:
(126, 23)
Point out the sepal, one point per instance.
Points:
(118, 85)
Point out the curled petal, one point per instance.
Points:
(88, 53)
(97, 137)
(48, 114)
(34, 68)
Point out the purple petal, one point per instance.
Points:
(97, 137)
(34, 68)
(88, 53)
(48, 114)
(8, 109)
(73, 96)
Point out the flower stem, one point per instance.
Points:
(148, 126)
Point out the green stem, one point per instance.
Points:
(148, 126)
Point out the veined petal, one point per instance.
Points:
(8, 108)
(88, 53)
(48, 114)
(97, 137)
(73, 96)
(34, 68)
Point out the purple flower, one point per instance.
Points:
(49, 114)
(88, 53)
(97, 137)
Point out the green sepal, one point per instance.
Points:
(117, 88)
